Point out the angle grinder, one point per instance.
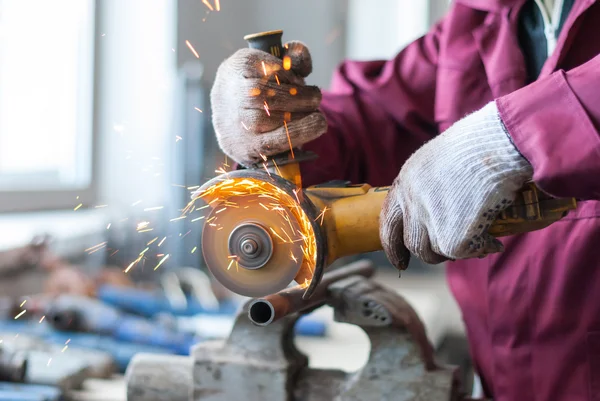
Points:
(265, 231)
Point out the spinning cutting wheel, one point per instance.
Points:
(250, 248)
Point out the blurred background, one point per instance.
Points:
(105, 131)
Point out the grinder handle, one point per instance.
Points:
(284, 164)
(353, 209)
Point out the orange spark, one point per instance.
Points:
(189, 45)
(293, 91)
(278, 236)
(218, 5)
(266, 169)
(277, 168)
(133, 264)
(267, 109)
(98, 246)
(322, 215)
(277, 79)
(264, 68)
(287, 63)
(278, 201)
(289, 139)
(161, 261)
(210, 7)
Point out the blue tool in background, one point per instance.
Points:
(148, 303)
(28, 392)
(81, 314)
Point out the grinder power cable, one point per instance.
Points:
(264, 231)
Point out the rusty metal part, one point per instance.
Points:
(271, 308)
(532, 210)
(263, 364)
(34, 255)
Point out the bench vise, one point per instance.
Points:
(259, 361)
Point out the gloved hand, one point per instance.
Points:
(450, 190)
(252, 96)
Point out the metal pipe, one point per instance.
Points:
(269, 309)
(13, 365)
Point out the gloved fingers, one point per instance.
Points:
(280, 97)
(480, 246)
(299, 132)
(490, 245)
(259, 122)
(253, 63)
(418, 242)
(300, 60)
(391, 232)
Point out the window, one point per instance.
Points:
(46, 103)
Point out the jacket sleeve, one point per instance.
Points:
(378, 114)
(555, 122)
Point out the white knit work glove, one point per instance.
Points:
(252, 96)
(450, 190)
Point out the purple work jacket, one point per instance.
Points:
(533, 312)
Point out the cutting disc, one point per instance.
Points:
(270, 241)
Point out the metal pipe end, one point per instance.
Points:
(261, 312)
(13, 366)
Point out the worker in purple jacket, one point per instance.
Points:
(497, 93)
